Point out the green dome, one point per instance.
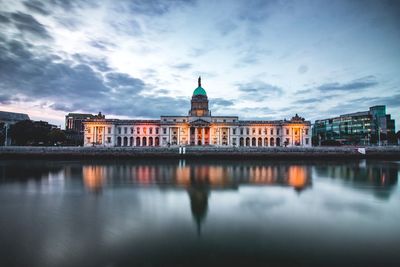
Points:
(199, 91)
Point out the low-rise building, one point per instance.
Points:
(366, 127)
(199, 127)
(6, 120)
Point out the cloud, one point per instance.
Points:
(302, 69)
(182, 66)
(69, 87)
(28, 24)
(4, 18)
(36, 6)
(152, 7)
(220, 102)
(355, 85)
(259, 91)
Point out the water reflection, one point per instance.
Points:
(196, 213)
(198, 179)
(378, 177)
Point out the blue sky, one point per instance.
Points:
(141, 59)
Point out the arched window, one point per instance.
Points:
(125, 141)
(144, 141)
(253, 141)
(247, 141)
(241, 141)
(150, 141)
(156, 141)
(131, 141)
(278, 141)
(272, 142)
(138, 141)
(259, 141)
(119, 141)
(266, 141)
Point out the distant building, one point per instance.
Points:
(198, 128)
(73, 121)
(7, 119)
(357, 128)
(74, 127)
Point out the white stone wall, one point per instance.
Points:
(178, 133)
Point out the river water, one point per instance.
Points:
(199, 213)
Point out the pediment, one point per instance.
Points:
(199, 122)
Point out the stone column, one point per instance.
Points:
(188, 135)
(104, 135)
(195, 136)
(202, 136)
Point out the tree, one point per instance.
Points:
(22, 132)
(56, 136)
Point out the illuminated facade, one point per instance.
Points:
(199, 128)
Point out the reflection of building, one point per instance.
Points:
(197, 179)
(356, 128)
(94, 177)
(381, 178)
(198, 128)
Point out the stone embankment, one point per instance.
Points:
(386, 152)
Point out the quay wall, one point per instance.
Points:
(384, 152)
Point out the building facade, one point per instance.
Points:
(366, 127)
(6, 120)
(198, 128)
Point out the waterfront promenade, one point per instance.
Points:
(389, 152)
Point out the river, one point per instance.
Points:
(199, 213)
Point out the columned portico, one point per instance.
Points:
(197, 128)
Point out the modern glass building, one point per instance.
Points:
(366, 127)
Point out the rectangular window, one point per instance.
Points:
(306, 141)
(248, 131)
(108, 139)
(151, 130)
(164, 130)
(272, 131)
(306, 131)
(131, 130)
(109, 130)
(254, 130)
(241, 131)
(287, 131)
(224, 120)
(259, 131)
(125, 130)
(138, 130)
(234, 131)
(119, 130)
(88, 130)
(156, 130)
(277, 131)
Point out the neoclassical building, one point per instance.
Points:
(198, 128)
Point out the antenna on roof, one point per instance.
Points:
(199, 81)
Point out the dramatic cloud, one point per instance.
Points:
(259, 91)
(355, 85)
(257, 59)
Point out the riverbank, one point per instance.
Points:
(386, 152)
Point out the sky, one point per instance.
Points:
(258, 59)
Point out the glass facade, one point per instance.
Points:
(356, 128)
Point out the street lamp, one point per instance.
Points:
(5, 140)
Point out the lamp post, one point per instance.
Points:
(5, 140)
(379, 136)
